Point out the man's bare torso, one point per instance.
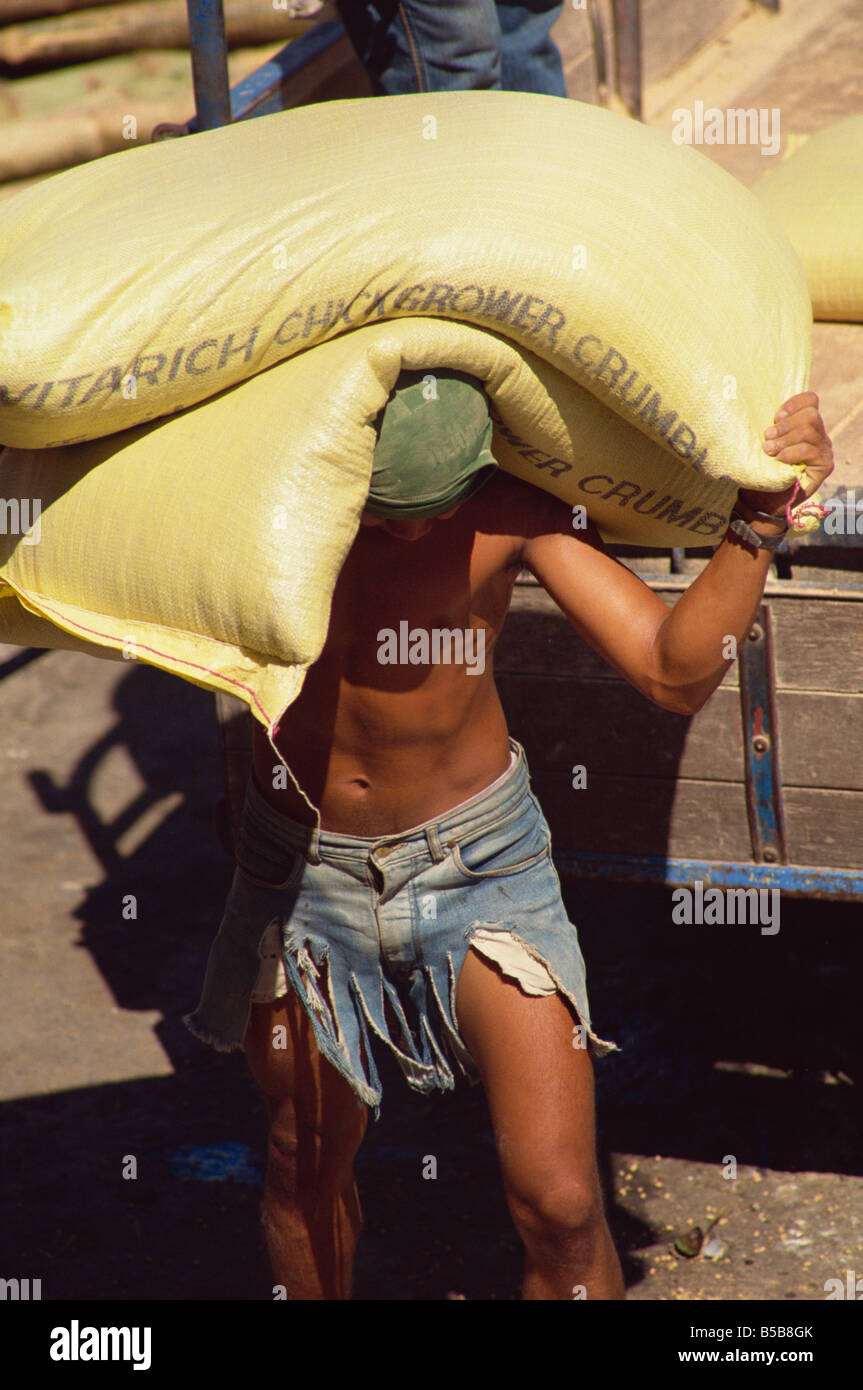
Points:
(380, 746)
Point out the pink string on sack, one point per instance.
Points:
(797, 518)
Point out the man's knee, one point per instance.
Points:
(317, 1121)
(336, 1129)
(315, 1152)
(564, 1211)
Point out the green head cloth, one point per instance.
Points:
(433, 445)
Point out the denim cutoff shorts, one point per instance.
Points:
(374, 932)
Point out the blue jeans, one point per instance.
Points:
(456, 45)
(373, 933)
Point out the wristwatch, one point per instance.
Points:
(740, 526)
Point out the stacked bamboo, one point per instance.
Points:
(131, 72)
(81, 33)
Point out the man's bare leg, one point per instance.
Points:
(311, 1209)
(540, 1095)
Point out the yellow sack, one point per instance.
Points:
(21, 628)
(209, 543)
(146, 281)
(817, 196)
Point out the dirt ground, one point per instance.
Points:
(734, 1105)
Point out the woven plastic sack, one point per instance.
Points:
(209, 544)
(141, 283)
(21, 628)
(817, 196)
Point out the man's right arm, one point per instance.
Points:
(676, 658)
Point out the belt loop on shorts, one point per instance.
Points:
(313, 849)
(434, 844)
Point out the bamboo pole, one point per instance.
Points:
(34, 146)
(13, 10)
(46, 143)
(148, 75)
(122, 28)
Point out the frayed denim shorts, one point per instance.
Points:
(372, 933)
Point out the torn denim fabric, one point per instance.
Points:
(373, 933)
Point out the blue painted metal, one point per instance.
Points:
(209, 51)
(260, 94)
(794, 879)
(761, 743)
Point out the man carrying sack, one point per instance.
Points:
(394, 883)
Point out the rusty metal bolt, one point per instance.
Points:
(771, 854)
(761, 743)
(755, 632)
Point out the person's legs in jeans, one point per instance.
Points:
(425, 45)
(530, 59)
(456, 45)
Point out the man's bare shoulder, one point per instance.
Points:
(525, 512)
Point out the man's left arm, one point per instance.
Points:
(678, 658)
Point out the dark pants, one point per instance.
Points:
(456, 45)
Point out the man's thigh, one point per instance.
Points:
(303, 1091)
(539, 1085)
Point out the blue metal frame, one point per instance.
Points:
(209, 51)
(793, 879)
(761, 743)
(259, 94)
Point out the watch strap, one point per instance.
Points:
(754, 538)
(752, 514)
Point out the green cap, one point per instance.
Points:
(433, 445)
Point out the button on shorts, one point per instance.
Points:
(373, 933)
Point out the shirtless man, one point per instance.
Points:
(415, 830)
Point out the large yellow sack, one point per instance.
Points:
(817, 196)
(209, 543)
(146, 281)
(21, 628)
